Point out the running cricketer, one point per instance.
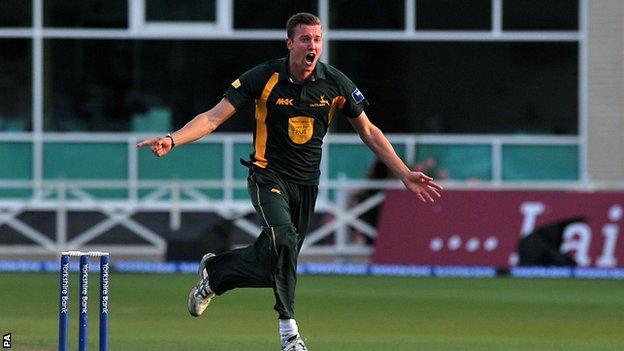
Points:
(296, 98)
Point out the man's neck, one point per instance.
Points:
(297, 75)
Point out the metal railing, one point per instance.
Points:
(177, 196)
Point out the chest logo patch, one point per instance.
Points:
(284, 102)
(300, 129)
(322, 102)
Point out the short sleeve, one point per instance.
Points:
(354, 99)
(247, 87)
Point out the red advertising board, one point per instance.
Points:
(483, 227)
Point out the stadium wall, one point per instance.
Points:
(606, 89)
(58, 170)
(503, 229)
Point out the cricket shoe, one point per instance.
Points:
(294, 343)
(201, 294)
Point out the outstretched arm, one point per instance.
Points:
(203, 124)
(417, 182)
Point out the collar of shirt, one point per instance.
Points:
(318, 73)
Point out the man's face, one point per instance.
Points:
(306, 46)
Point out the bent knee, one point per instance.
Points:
(284, 235)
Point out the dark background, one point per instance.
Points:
(413, 86)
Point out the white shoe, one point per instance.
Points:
(201, 294)
(294, 343)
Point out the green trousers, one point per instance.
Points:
(285, 210)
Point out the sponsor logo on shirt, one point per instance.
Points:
(357, 96)
(284, 102)
(300, 129)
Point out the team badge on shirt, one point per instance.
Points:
(322, 102)
(236, 84)
(357, 96)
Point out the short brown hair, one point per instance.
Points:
(301, 18)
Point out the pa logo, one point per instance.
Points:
(6, 341)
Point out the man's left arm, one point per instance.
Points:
(417, 182)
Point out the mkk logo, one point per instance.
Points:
(284, 102)
(6, 341)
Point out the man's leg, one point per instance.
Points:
(304, 210)
(303, 198)
(245, 267)
(255, 265)
(251, 266)
(301, 208)
(286, 270)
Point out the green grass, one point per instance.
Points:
(148, 312)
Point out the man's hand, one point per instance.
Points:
(422, 185)
(160, 145)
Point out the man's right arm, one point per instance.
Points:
(203, 124)
(247, 87)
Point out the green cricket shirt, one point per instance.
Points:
(292, 119)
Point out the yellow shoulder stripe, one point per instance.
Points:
(261, 128)
(337, 102)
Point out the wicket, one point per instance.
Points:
(83, 324)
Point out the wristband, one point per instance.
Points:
(172, 141)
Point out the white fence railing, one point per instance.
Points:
(332, 237)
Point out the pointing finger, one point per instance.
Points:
(146, 142)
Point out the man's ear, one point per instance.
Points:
(289, 43)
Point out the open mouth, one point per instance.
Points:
(310, 58)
